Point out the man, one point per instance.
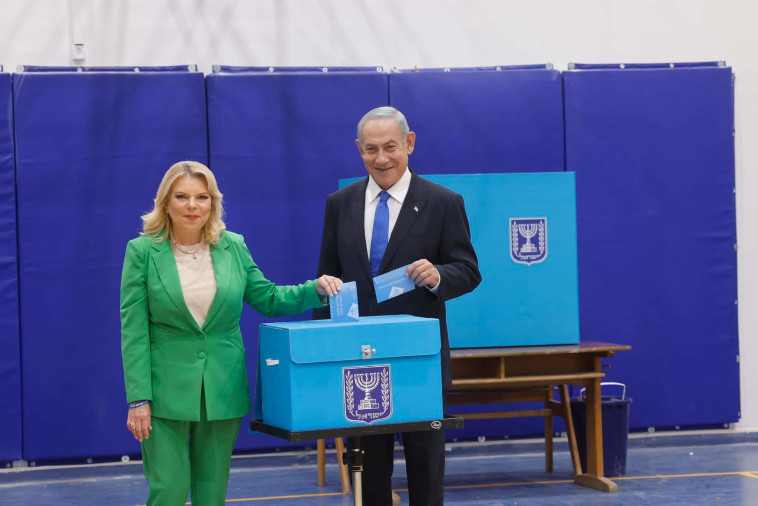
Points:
(391, 219)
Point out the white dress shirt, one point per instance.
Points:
(397, 192)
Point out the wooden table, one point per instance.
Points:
(532, 373)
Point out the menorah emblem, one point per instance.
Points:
(528, 231)
(367, 393)
(522, 232)
(367, 382)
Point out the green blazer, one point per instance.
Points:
(167, 357)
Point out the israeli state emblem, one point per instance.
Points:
(528, 240)
(367, 393)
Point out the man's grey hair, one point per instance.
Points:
(384, 112)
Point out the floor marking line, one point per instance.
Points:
(507, 484)
(402, 490)
(268, 498)
(55, 481)
(750, 474)
(691, 475)
(300, 496)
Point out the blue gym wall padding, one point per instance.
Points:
(279, 142)
(91, 150)
(470, 121)
(652, 149)
(10, 365)
(653, 153)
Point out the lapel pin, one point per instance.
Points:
(415, 208)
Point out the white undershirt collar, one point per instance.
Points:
(397, 191)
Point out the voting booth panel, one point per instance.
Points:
(92, 148)
(326, 375)
(489, 120)
(280, 139)
(523, 227)
(10, 367)
(653, 152)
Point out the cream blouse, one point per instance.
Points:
(197, 278)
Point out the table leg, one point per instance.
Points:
(339, 445)
(569, 420)
(594, 477)
(548, 433)
(321, 461)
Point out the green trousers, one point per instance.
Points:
(180, 457)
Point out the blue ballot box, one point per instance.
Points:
(325, 374)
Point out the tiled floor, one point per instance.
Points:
(690, 469)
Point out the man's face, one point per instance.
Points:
(384, 153)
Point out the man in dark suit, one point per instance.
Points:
(391, 219)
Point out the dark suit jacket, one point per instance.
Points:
(432, 224)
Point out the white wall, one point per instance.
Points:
(424, 33)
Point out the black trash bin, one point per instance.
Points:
(615, 411)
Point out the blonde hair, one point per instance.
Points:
(157, 223)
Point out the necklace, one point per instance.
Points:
(192, 252)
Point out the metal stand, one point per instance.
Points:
(354, 457)
(354, 461)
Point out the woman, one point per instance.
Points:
(182, 288)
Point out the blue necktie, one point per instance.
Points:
(380, 232)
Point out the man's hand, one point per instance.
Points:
(423, 273)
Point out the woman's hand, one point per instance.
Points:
(138, 422)
(328, 285)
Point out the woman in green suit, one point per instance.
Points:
(182, 287)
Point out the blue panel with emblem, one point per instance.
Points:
(523, 227)
(324, 374)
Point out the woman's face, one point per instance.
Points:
(189, 206)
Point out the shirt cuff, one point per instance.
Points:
(436, 288)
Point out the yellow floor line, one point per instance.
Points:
(271, 497)
(300, 496)
(692, 475)
(749, 474)
(507, 484)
